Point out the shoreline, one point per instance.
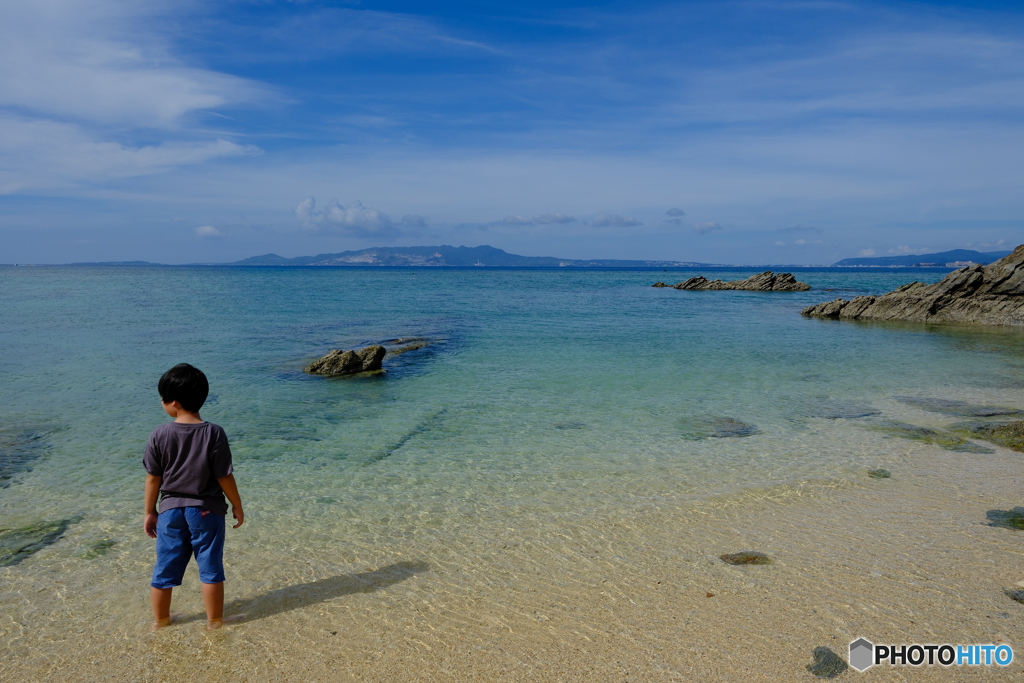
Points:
(907, 559)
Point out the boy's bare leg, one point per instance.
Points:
(213, 598)
(161, 598)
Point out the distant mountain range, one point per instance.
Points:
(446, 255)
(939, 259)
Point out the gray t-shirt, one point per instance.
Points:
(190, 458)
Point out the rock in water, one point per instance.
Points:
(411, 347)
(340, 362)
(707, 427)
(659, 284)
(959, 408)
(97, 549)
(1015, 594)
(983, 295)
(762, 282)
(1008, 519)
(841, 410)
(372, 356)
(19, 544)
(879, 474)
(827, 664)
(745, 557)
(1010, 435)
(946, 440)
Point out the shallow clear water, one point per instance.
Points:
(545, 397)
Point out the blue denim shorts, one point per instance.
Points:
(181, 533)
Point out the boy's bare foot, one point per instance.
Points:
(215, 624)
(160, 623)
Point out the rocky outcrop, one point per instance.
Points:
(340, 362)
(762, 282)
(982, 295)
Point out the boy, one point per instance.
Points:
(188, 462)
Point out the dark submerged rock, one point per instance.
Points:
(745, 557)
(16, 545)
(842, 410)
(716, 428)
(1007, 519)
(339, 362)
(406, 349)
(946, 440)
(659, 284)
(983, 295)
(827, 664)
(725, 427)
(879, 474)
(762, 282)
(958, 408)
(97, 549)
(18, 448)
(1010, 435)
(1016, 595)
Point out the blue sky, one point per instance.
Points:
(737, 132)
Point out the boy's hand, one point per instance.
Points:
(149, 525)
(238, 514)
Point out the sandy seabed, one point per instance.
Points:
(636, 595)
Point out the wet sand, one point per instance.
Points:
(620, 596)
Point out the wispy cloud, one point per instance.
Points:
(556, 217)
(706, 227)
(102, 63)
(613, 220)
(44, 154)
(414, 221)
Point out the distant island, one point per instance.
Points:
(447, 255)
(485, 255)
(956, 258)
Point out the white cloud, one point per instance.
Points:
(673, 221)
(515, 220)
(354, 219)
(704, 228)
(75, 73)
(675, 212)
(613, 220)
(103, 62)
(47, 154)
(801, 241)
(555, 217)
(207, 231)
(542, 219)
(414, 221)
(866, 252)
(780, 244)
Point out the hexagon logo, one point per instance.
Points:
(862, 654)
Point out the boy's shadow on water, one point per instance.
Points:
(306, 594)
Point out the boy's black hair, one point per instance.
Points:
(186, 385)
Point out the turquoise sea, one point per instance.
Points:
(544, 399)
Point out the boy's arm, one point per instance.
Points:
(231, 491)
(152, 493)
